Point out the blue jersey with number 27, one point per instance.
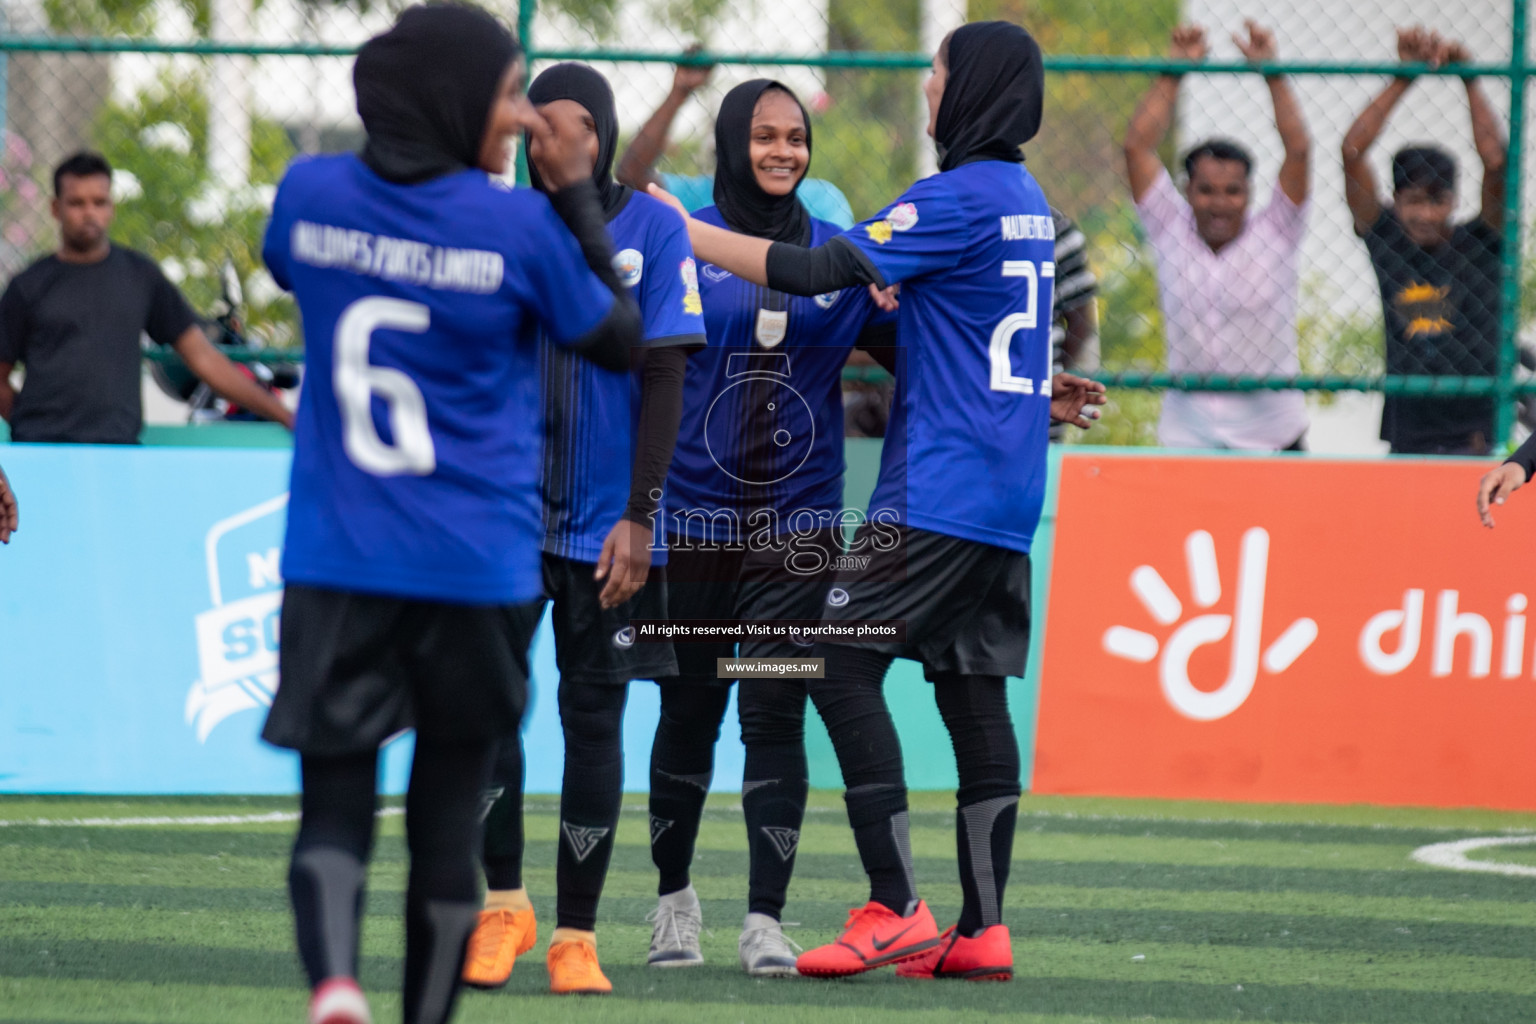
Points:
(965, 450)
(416, 453)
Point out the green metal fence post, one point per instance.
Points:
(1504, 391)
(525, 12)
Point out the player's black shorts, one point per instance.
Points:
(597, 645)
(747, 585)
(357, 668)
(965, 604)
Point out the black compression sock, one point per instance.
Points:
(592, 717)
(773, 800)
(503, 846)
(327, 874)
(682, 764)
(984, 842)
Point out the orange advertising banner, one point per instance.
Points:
(1293, 630)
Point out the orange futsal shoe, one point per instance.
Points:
(500, 937)
(873, 937)
(987, 957)
(573, 970)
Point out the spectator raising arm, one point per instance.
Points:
(1260, 48)
(636, 166)
(215, 369)
(1154, 115)
(1487, 138)
(1414, 45)
(10, 518)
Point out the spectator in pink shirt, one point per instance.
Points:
(1227, 280)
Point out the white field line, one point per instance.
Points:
(272, 817)
(1454, 856)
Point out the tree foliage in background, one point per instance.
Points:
(171, 208)
(873, 123)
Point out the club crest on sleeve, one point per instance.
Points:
(826, 300)
(715, 273)
(903, 217)
(689, 272)
(629, 264)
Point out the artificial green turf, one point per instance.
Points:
(1120, 910)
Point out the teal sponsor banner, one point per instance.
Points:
(139, 612)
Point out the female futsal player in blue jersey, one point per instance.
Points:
(608, 441)
(752, 508)
(412, 548)
(964, 471)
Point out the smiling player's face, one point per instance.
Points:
(779, 152)
(510, 113)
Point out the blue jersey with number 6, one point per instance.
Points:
(965, 451)
(416, 453)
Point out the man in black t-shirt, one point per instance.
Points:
(1440, 283)
(73, 319)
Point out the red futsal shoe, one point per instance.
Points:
(873, 937)
(987, 957)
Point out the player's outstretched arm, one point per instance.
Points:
(10, 514)
(1499, 483)
(1075, 400)
(1154, 114)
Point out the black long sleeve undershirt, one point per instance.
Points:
(608, 344)
(879, 342)
(661, 411)
(1525, 457)
(834, 264)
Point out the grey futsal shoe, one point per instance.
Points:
(765, 952)
(676, 923)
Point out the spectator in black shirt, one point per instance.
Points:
(73, 319)
(10, 520)
(1440, 287)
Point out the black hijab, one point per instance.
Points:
(585, 86)
(742, 202)
(993, 94)
(425, 87)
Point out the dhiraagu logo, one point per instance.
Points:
(237, 637)
(1245, 626)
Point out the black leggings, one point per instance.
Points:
(591, 797)
(851, 701)
(772, 715)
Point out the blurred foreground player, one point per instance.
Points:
(412, 554)
(963, 468)
(10, 518)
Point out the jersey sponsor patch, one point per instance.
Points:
(879, 231)
(629, 264)
(772, 326)
(690, 275)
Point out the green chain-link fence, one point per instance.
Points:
(201, 103)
